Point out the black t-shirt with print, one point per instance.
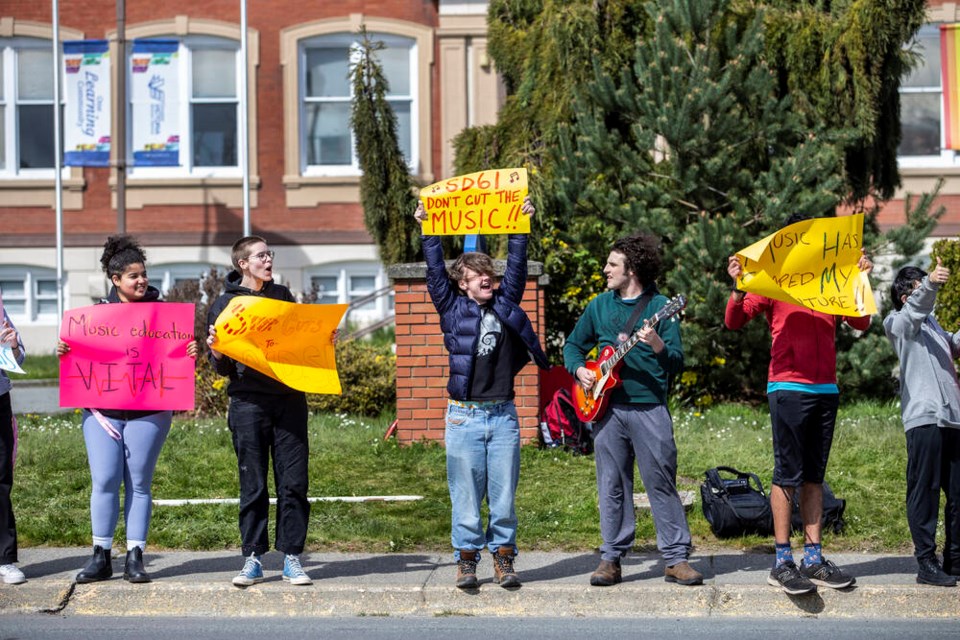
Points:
(492, 379)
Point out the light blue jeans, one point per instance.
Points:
(483, 460)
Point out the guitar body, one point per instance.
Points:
(591, 404)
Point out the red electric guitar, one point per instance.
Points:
(591, 404)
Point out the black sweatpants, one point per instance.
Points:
(263, 425)
(8, 524)
(933, 465)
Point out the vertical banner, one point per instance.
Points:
(86, 82)
(155, 122)
(950, 70)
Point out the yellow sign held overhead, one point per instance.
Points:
(289, 342)
(812, 263)
(487, 202)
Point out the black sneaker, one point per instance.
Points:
(789, 578)
(931, 573)
(827, 574)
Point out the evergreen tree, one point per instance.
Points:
(386, 189)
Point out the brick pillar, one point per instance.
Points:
(422, 360)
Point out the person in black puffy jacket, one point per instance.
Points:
(489, 339)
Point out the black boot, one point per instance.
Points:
(133, 570)
(931, 573)
(98, 568)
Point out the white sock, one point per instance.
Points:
(133, 544)
(105, 543)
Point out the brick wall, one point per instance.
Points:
(422, 360)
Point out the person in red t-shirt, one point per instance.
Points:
(803, 396)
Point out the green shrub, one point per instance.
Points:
(948, 299)
(368, 375)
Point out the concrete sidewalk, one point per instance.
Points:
(421, 584)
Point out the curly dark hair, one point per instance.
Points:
(643, 256)
(119, 252)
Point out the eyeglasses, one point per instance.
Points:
(263, 255)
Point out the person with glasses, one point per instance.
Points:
(266, 418)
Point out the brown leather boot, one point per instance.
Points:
(683, 573)
(467, 570)
(607, 574)
(503, 571)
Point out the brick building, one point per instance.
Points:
(304, 195)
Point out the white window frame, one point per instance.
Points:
(10, 149)
(185, 71)
(946, 157)
(30, 295)
(337, 40)
(164, 276)
(345, 272)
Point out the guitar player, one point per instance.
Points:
(636, 425)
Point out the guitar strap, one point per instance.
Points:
(642, 303)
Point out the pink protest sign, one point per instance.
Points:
(128, 356)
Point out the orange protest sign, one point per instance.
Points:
(487, 202)
(289, 342)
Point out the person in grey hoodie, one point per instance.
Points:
(930, 409)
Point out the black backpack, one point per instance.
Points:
(735, 506)
(833, 508)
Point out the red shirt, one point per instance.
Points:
(804, 347)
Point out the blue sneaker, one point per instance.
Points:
(251, 574)
(293, 572)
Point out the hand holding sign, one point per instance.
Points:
(819, 264)
(488, 202)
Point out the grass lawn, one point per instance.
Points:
(556, 501)
(38, 367)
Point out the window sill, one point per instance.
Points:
(181, 191)
(310, 191)
(40, 192)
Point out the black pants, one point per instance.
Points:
(933, 464)
(265, 425)
(8, 524)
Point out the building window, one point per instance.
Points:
(353, 284)
(209, 110)
(29, 294)
(327, 143)
(26, 108)
(921, 102)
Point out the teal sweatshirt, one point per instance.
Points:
(645, 374)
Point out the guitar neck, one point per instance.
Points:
(624, 348)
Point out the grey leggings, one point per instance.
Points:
(131, 461)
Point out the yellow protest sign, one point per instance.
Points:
(812, 263)
(289, 342)
(487, 202)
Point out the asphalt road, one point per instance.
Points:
(53, 627)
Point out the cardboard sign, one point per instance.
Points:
(485, 203)
(812, 263)
(289, 342)
(128, 356)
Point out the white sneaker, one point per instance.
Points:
(11, 574)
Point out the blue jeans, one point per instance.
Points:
(483, 460)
